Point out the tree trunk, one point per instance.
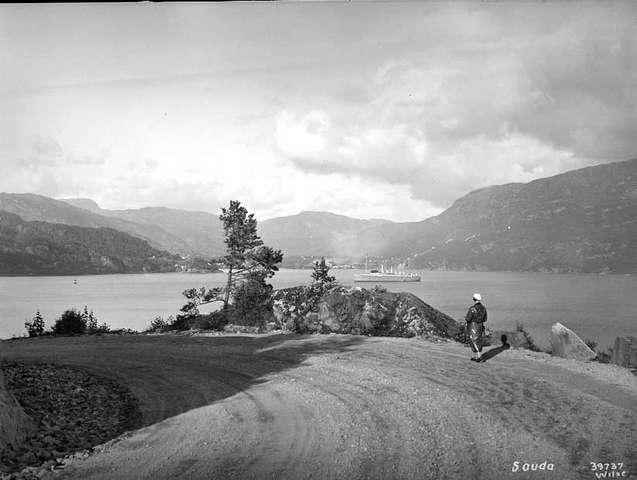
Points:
(226, 297)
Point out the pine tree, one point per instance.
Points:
(320, 273)
(245, 253)
(36, 326)
(246, 259)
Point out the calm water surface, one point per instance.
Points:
(600, 307)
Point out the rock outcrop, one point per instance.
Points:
(361, 312)
(565, 343)
(15, 425)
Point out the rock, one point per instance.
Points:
(70, 408)
(28, 457)
(15, 425)
(361, 312)
(565, 343)
(625, 352)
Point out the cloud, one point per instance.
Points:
(451, 117)
(401, 156)
(47, 147)
(302, 138)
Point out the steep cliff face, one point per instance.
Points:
(361, 312)
(15, 425)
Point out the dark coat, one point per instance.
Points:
(476, 316)
(477, 313)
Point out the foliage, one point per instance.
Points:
(527, 336)
(198, 297)
(252, 301)
(36, 326)
(71, 322)
(321, 272)
(158, 324)
(212, 321)
(91, 322)
(592, 344)
(246, 256)
(249, 264)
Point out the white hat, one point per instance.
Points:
(477, 296)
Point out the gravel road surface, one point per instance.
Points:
(347, 407)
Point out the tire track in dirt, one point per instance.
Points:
(290, 407)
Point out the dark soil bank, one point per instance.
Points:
(72, 409)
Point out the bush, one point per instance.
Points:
(36, 326)
(158, 324)
(91, 322)
(70, 323)
(379, 289)
(592, 344)
(252, 302)
(212, 321)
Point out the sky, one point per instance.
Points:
(368, 109)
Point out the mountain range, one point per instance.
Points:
(580, 221)
(32, 247)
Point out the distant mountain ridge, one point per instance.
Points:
(579, 221)
(36, 248)
(32, 207)
(187, 232)
(316, 233)
(307, 233)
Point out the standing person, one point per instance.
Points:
(476, 316)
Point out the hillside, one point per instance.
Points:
(580, 221)
(31, 207)
(35, 248)
(198, 232)
(316, 233)
(307, 233)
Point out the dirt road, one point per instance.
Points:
(346, 407)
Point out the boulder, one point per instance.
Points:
(565, 343)
(361, 311)
(625, 352)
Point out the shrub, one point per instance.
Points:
(527, 336)
(158, 324)
(71, 322)
(103, 328)
(592, 344)
(90, 319)
(36, 326)
(212, 321)
(252, 301)
(321, 272)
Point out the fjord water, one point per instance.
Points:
(599, 307)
